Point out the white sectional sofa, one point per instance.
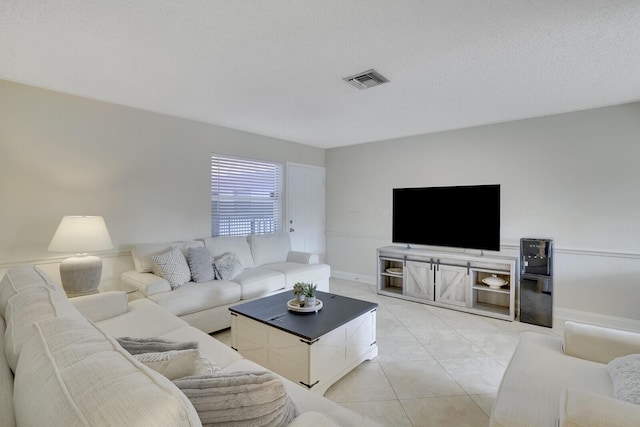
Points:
(268, 266)
(61, 364)
(551, 381)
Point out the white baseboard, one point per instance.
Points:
(566, 314)
(369, 280)
(560, 314)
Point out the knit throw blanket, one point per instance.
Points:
(153, 345)
(241, 398)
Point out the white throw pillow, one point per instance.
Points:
(174, 364)
(173, 266)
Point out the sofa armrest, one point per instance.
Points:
(598, 344)
(303, 257)
(147, 283)
(580, 408)
(102, 306)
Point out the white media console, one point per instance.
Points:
(449, 279)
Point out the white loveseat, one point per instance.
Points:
(60, 363)
(269, 266)
(551, 381)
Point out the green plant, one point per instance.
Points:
(310, 290)
(298, 288)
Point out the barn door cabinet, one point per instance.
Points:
(449, 279)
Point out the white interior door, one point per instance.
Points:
(305, 208)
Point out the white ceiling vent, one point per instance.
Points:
(367, 79)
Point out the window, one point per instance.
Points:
(246, 196)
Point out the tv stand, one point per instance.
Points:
(449, 279)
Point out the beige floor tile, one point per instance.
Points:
(388, 413)
(395, 348)
(447, 344)
(421, 378)
(475, 375)
(367, 382)
(494, 343)
(484, 401)
(458, 411)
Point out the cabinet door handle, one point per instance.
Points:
(468, 267)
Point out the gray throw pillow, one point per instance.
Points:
(201, 264)
(252, 398)
(227, 266)
(625, 377)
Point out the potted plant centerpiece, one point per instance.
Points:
(310, 295)
(298, 292)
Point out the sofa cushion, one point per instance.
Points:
(19, 278)
(295, 272)
(259, 281)
(192, 297)
(144, 319)
(258, 398)
(6, 385)
(201, 264)
(236, 244)
(73, 375)
(219, 354)
(625, 377)
(28, 307)
(172, 265)
(141, 253)
(538, 402)
(269, 248)
(313, 418)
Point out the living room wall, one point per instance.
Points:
(148, 174)
(572, 177)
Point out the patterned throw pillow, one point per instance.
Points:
(172, 266)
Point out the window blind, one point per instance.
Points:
(246, 196)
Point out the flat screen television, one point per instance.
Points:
(459, 216)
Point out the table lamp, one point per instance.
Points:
(81, 274)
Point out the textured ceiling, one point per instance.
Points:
(275, 67)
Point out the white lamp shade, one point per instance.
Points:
(81, 234)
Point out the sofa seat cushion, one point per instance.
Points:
(259, 281)
(295, 272)
(192, 297)
(144, 319)
(537, 402)
(17, 279)
(73, 375)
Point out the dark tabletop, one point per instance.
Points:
(336, 311)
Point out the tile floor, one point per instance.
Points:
(435, 366)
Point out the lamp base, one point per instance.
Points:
(80, 275)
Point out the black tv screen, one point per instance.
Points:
(460, 216)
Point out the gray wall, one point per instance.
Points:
(148, 174)
(572, 177)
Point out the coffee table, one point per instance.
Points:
(313, 349)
